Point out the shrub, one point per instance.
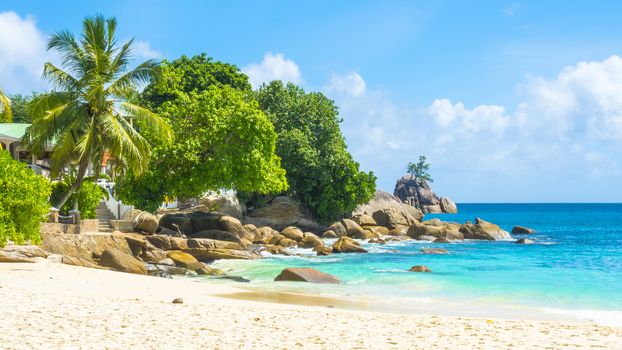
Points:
(23, 201)
(88, 196)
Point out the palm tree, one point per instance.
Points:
(5, 108)
(89, 112)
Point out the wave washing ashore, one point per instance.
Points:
(573, 272)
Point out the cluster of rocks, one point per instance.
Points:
(419, 194)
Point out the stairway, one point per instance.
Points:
(104, 215)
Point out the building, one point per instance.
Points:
(11, 135)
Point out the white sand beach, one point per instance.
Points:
(52, 306)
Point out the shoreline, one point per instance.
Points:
(49, 305)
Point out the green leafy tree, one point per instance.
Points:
(87, 196)
(23, 201)
(420, 169)
(89, 113)
(222, 140)
(19, 106)
(320, 171)
(6, 116)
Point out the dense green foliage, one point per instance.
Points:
(320, 171)
(420, 169)
(23, 201)
(185, 75)
(88, 113)
(87, 196)
(6, 115)
(19, 106)
(222, 139)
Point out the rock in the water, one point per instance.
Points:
(483, 230)
(521, 230)
(420, 268)
(436, 230)
(448, 206)
(120, 261)
(178, 301)
(276, 249)
(442, 240)
(215, 254)
(426, 238)
(417, 193)
(346, 244)
(525, 241)
(323, 250)
(146, 222)
(378, 230)
(434, 251)
(234, 278)
(310, 240)
(392, 212)
(226, 203)
(306, 275)
(293, 233)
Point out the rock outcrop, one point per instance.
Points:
(120, 261)
(521, 230)
(483, 230)
(385, 210)
(306, 274)
(346, 244)
(419, 194)
(226, 203)
(419, 268)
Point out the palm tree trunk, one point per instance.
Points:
(76, 184)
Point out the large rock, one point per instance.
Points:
(483, 230)
(419, 268)
(310, 240)
(215, 254)
(442, 229)
(346, 244)
(338, 229)
(364, 220)
(178, 222)
(521, 230)
(293, 233)
(282, 212)
(448, 206)
(218, 235)
(352, 228)
(206, 243)
(146, 222)
(264, 234)
(419, 194)
(71, 260)
(226, 203)
(21, 253)
(388, 211)
(306, 274)
(168, 242)
(85, 246)
(184, 260)
(120, 261)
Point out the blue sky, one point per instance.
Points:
(512, 101)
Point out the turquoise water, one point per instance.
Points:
(574, 271)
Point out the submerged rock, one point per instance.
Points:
(420, 268)
(525, 241)
(306, 274)
(434, 251)
(521, 230)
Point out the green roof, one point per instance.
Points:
(13, 131)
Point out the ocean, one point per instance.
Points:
(572, 272)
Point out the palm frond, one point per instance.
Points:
(5, 108)
(150, 120)
(59, 78)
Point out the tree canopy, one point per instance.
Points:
(222, 139)
(23, 201)
(89, 114)
(320, 171)
(19, 107)
(420, 169)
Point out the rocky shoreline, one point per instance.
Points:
(185, 242)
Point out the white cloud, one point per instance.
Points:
(144, 50)
(351, 84)
(22, 53)
(565, 132)
(483, 117)
(273, 67)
